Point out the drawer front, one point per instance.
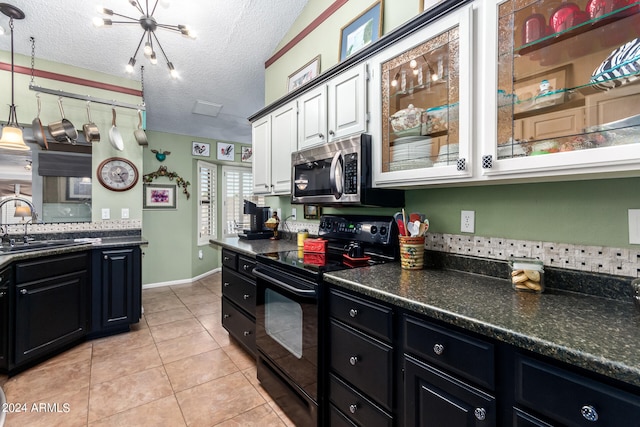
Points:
(338, 419)
(241, 327)
(374, 319)
(355, 406)
(469, 357)
(572, 399)
(240, 290)
(522, 419)
(229, 259)
(246, 265)
(45, 268)
(362, 361)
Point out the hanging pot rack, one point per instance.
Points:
(90, 98)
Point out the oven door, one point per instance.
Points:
(287, 326)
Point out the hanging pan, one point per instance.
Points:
(114, 134)
(38, 129)
(63, 130)
(139, 133)
(90, 130)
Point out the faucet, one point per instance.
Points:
(34, 217)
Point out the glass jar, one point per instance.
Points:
(527, 274)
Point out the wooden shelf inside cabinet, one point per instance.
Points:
(558, 107)
(584, 27)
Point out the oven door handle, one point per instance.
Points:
(283, 285)
(336, 175)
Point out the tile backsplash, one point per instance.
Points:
(72, 227)
(594, 259)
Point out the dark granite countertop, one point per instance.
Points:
(253, 247)
(594, 333)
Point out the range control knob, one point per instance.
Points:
(374, 229)
(383, 231)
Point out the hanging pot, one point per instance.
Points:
(63, 130)
(90, 130)
(38, 129)
(114, 134)
(139, 133)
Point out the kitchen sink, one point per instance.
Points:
(38, 245)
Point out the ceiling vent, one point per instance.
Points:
(206, 108)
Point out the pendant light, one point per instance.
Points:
(11, 132)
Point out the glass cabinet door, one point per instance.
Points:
(424, 89)
(568, 87)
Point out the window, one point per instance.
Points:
(237, 187)
(207, 211)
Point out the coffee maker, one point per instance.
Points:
(258, 215)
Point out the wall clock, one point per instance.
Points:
(117, 174)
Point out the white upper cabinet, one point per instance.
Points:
(421, 105)
(335, 109)
(560, 95)
(274, 139)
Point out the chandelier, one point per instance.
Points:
(149, 26)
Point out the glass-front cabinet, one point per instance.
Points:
(421, 104)
(563, 92)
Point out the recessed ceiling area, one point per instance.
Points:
(221, 72)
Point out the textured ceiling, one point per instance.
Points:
(223, 65)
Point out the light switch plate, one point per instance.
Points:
(634, 226)
(106, 213)
(125, 213)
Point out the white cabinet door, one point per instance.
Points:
(284, 140)
(261, 141)
(312, 120)
(347, 103)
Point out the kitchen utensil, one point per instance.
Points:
(114, 134)
(38, 129)
(422, 230)
(63, 130)
(90, 130)
(426, 225)
(414, 216)
(404, 222)
(140, 135)
(413, 228)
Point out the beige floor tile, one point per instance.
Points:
(112, 397)
(179, 328)
(206, 308)
(115, 344)
(190, 345)
(215, 288)
(151, 293)
(218, 400)
(62, 410)
(213, 324)
(194, 370)
(161, 412)
(162, 303)
(252, 375)
(262, 416)
(190, 289)
(286, 420)
(124, 363)
(190, 300)
(240, 357)
(79, 353)
(168, 316)
(43, 382)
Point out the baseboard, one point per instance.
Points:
(181, 281)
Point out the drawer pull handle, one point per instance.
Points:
(246, 296)
(247, 333)
(106, 257)
(353, 360)
(226, 284)
(353, 312)
(23, 291)
(226, 258)
(226, 316)
(589, 413)
(480, 414)
(353, 408)
(245, 267)
(438, 349)
(2, 294)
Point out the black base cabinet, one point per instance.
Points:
(5, 280)
(116, 291)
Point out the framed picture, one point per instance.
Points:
(306, 73)
(428, 4)
(78, 188)
(200, 149)
(225, 151)
(527, 89)
(362, 31)
(311, 212)
(247, 154)
(159, 196)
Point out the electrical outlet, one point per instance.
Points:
(200, 255)
(467, 221)
(293, 214)
(124, 213)
(106, 213)
(634, 226)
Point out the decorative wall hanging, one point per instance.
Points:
(161, 155)
(162, 171)
(304, 74)
(247, 154)
(225, 151)
(159, 196)
(200, 149)
(362, 31)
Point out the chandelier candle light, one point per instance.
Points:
(149, 25)
(12, 138)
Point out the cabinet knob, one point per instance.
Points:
(247, 333)
(23, 291)
(331, 133)
(353, 408)
(321, 136)
(226, 316)
(226, 258)
(245, 267)
(589, 413)
(353, 360)
(246, 296)
(266, 186)
(480, 414)
(106, 257)
(353, 312)
(2, 294)
(438, 349)
(226, 284)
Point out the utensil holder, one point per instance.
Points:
(411, 252)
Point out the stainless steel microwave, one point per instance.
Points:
(339, 174)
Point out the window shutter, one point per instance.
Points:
(207, 173)
(238, 186)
